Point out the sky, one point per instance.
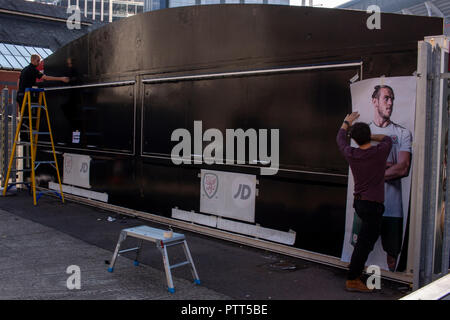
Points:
(320, 3)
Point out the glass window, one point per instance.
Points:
(15, 64)
(181, 3)
(210, 1)
(155, 5)
(4, 63)
(23, 52)
(232, 1)
(253, 1)
(3, 49)
(12, 49)
(31, 50)
(41, 52)
(49, 52)
(23, 62)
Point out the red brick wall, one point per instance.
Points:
(9, 79)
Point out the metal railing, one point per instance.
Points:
(8, 125)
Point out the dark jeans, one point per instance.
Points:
(371, 214)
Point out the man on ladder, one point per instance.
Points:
(28, 77)
(26, 82)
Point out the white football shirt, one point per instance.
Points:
(401, 141)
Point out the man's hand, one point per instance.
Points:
(349, 118)
(65, 79)
(352, 117)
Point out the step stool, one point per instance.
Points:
(157, 236)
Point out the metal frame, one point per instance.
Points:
(222, 75)
(8, 111)
(432, 124)
(100, 85)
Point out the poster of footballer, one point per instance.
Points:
(388, 106)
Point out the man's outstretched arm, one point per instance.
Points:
(50, 78)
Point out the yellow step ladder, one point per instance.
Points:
(33, 135)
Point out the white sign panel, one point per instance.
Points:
(76, 170)
(76, 137)
(228, 194)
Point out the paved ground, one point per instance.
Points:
(37, 244)
(34, 259)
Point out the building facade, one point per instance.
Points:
(110, 10)
(430, 8)
(150, 5)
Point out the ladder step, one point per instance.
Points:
(21, 170)
(47, 192)
(15, 183)
(23, 143)
(39, 132)
(179, 264)
(22, 157)
(37, 106)
(127, 250)
(41, 162)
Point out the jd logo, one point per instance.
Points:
(210, 184)
(84, 167)
(244, 192)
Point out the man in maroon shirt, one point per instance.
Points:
(368, 165)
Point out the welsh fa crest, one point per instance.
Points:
(394, 139)
(210, 184)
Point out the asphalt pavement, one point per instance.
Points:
(39, 243)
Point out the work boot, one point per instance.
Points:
(357, 286)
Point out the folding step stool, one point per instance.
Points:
(157, 236)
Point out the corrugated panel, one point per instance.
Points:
(419, 10)
(444, 6)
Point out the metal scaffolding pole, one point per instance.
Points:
(429, 236)
(4, 133)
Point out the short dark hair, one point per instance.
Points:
(376, 92)
(360, 132)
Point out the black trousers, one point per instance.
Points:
(371, 214)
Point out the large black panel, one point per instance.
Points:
(104, 116)
(130, 150)
(306, 107)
